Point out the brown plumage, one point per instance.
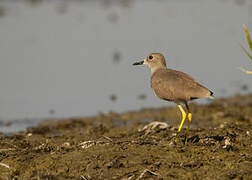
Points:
(172, 85)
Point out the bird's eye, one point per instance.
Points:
(150, 57)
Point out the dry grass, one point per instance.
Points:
(245, 50)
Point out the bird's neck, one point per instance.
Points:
(155, 69)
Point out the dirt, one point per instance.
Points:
(117, 146)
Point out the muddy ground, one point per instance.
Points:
(116, 146)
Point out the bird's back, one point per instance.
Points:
(174, 85)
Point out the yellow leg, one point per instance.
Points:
(183, 117)
(188, 127)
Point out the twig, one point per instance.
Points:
(9, 149)
(10, 144)
(106, 137)
(83, 177)
(147, 171)
(4, 165)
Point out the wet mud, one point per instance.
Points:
(136, 145)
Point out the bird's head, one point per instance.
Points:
(153, 60)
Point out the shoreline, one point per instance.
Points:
(123, 146)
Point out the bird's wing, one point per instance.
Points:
(175, 85)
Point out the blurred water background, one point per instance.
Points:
(65, 58)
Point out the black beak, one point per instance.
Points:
(138, 63)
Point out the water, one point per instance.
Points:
(63, 59)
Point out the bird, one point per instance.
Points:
(175, 86)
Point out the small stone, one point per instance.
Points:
(174, 134)
(227, 143)
(171, 144)
(66, 144)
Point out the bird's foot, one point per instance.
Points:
(185, 141)
(176, 138)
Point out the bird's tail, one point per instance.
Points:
(211, 96)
